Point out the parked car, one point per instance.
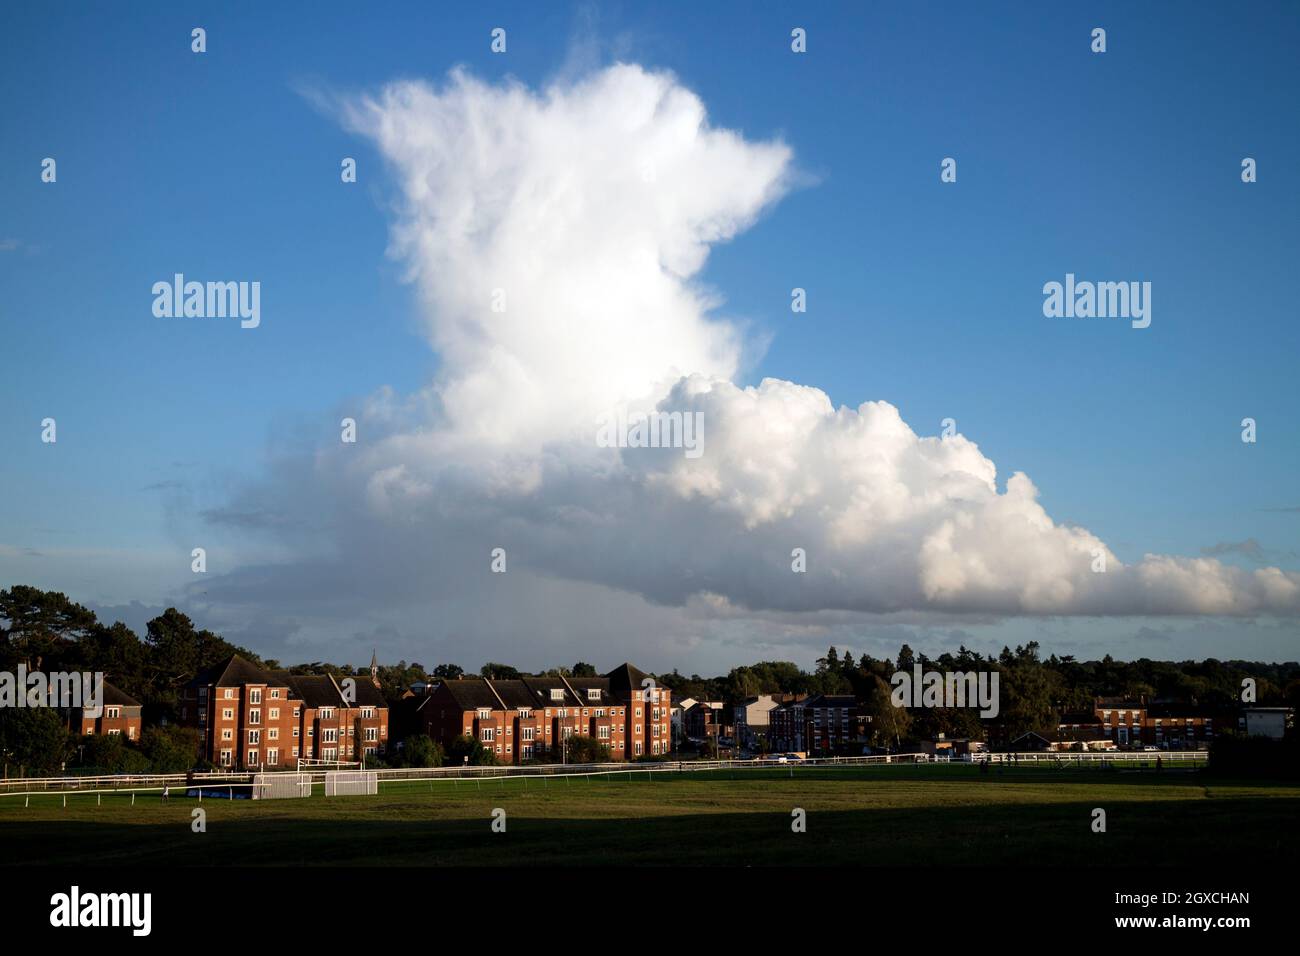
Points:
(1149, 748)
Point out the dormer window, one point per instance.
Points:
(484, 713)
(557, 693)
(593, 693)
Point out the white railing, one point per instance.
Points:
(216, 779)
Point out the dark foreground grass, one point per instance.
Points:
(898, 815)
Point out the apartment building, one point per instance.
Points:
(529, 718)
(823, 723)
(120, 715)
(250, 718)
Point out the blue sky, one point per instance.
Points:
(1118, 166)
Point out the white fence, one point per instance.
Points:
(179, 783)
(349, 783)
(281, 786)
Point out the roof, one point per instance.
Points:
(314, 690)
(625, 679)
(514, 694)
(235, 671)
(118, 698)
(541, 689)
(471, 693)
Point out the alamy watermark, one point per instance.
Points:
(655, 429)
(947, 689)
(1102, 300)
(209, 300)
(56, 689)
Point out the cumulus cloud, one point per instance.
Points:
(589, 209)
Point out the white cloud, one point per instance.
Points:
(594, 204)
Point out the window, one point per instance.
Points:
(228, 693)
(273, 714)
(557, 693)
(528, 733)
(275, 694)
(203, 692)
(114, 732)
(593, 693)
(327, 713)
(273, 757)
(484, 713)
(255, 695)
(112, 712)
(227, 714)
(604, 733)
(225, 758)
(273, 733)
(525, 713)
(295, 731)
(254, 716)
(252, 758)
(227, 734)
(296, 712)
(329, 735)
(372, 734)
(295, 751)
(367, 713)
(254, 736)
(487, 735)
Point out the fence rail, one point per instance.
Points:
(215, 779)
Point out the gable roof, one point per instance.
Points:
(470, 693)
(118, 698)
(625, 680)
(235, 671)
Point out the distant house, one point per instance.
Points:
(952, 747)
(751, 719)
(1030, 743)
(1082, 731)
(823, 723)
(120, 715)
(704, 719)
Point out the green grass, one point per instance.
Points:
(878, 815)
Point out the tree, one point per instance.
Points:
(34, 738)
(580, 749)
(170, 749)
(889, 724)
(420, 750)
(35, 623)
(583, 669)
(495, 671)
(464, 746)
(448, 671)
(176, 653)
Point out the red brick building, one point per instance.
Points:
(120, 715)
(529, 718)
(821, 724)
(250, 718)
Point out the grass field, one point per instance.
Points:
(877, 815)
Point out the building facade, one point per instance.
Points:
(120, 714)
(529, 718)
(249, 718)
